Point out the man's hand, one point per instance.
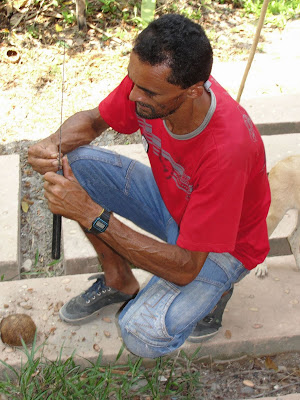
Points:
(67, 198)
(43, 156)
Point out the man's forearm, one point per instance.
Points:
(78, 130)
(167, 261)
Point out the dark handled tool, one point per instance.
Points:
(56, 230)
(56, 236)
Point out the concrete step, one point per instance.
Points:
(261, 318)
(10, 217)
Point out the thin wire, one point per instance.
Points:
(61, 107)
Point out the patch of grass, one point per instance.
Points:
(278, 13)
(39, 378)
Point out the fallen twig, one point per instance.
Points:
(117, 40)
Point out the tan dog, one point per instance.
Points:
(284, 180)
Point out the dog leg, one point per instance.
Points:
(261, 270)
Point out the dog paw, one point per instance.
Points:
(261, 271)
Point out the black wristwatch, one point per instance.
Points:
(100, 223)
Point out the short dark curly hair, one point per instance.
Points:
(181, 44)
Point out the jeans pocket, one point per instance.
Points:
(146, 317)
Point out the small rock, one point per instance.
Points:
(67, 280)
(162, 378)
(27, 265)
(294, 302)
(276, 387)
(107, 334)
(139, 385)
(67, 289)
(287, 291)
(254, 309)
(6, 305)
(282, 368)
(26, 306)
(214, 387)
(247, 390)
(106, 319)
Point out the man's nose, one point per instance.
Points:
(136, 94)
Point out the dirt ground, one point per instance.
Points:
(30, 109)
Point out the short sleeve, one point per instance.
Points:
(118, 111)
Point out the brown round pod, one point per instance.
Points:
(17, 326)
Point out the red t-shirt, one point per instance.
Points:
(213, 180)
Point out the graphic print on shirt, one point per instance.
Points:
(248, 122)
(171, 169)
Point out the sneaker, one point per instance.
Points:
(210, 324)
(92, 300)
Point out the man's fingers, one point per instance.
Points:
(54, 178)
(39, 151)
(68, 173)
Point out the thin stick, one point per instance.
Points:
(56, 233)
(253, 47)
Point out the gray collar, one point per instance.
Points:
(204, 123)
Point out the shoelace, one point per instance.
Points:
(96, 289)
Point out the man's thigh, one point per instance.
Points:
(124, 186)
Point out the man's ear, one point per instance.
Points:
(196, 90)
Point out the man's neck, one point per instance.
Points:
(190, 116)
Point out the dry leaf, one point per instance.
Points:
(58, 28)
(270, 364)
(96, 347)
(106, 319)
(25, 206)
(228, 334)
(248, 383)
(107, 334)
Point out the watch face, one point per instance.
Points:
(100, 225)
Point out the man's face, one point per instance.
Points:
(153, 95)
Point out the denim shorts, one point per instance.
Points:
(163, 314)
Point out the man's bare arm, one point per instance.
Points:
(167, 261)
(81, 128)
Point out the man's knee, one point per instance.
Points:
(142, 346)
(148, 343)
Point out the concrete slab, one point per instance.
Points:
(10, 217)
(275, 114)
(281, 146)
(262, 318)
